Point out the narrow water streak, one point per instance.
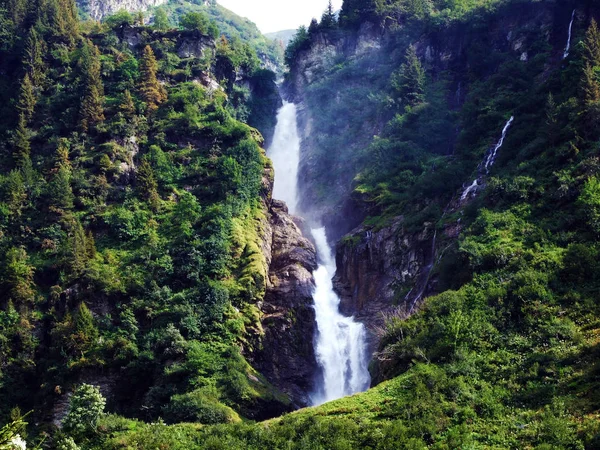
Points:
(341, 341)
(568, 47)
(486, 164)
(285, 154)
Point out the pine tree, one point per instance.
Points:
(18, 10)
(152, 92)
(313, 27)
(551, 119)
(27, 99)
(59, 188)
(328, 20)
(62, 154)
(33, 60)
(90, 245)
(61, 16)
(18, 275)
(92, 104)
(76, 252)
(409, 81)
(139, 18)
(127, 107)
(592, 45)
(147, 185)
(590, 86)
(22, 145)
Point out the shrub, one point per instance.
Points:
(85, 409)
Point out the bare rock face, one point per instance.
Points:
(286, 356)
(98, 9)
(374, 266)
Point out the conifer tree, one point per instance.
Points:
(18, 10)
(15, 192)
(59, 188)
(127, 107)
(18, 275)
(328, 20)
(92, 104)
(152, 92)
(139, 18)
(90, 245)
(22, 145)
(147, 185)
(592, 45)
(409, 81)
(33, 60)
(62, 153)
(27, 99)
(313, 27)
(590, 85)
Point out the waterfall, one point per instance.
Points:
(491, 158)
(340, 342)
(488, 162)
(285, 154)
(473, 186)
(568, 47)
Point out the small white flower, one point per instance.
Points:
(18, 443)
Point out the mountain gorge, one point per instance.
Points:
(155, 294)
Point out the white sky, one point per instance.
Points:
(277, 15)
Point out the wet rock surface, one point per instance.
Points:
(285, 353)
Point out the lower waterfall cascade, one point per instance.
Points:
(340, 341)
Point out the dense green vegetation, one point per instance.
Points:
(157, 272)
(237, 29)
(129, 199)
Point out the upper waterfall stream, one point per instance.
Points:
(285, 154)
(340, 343)
(568, 47)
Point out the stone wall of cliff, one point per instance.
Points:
(98, 9)
(380, 269)
(284, 350)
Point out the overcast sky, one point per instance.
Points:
(277, 15)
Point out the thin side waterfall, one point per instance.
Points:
(491, 158)
(340, 343)
(568, 47)
(285, 154)
(488, 162)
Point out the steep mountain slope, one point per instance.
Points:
(141, 249)
(506, 355)
(451, 146)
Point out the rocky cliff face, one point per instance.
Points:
(377, 268)
(285, 353)
(98, 9)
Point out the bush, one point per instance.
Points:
(85, 409)
(201, 405)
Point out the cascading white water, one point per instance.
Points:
(285, 154)
(568, 47)
(488, 162)
(473, 186)
(340, 346)
(491, 159)
(341, 341)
